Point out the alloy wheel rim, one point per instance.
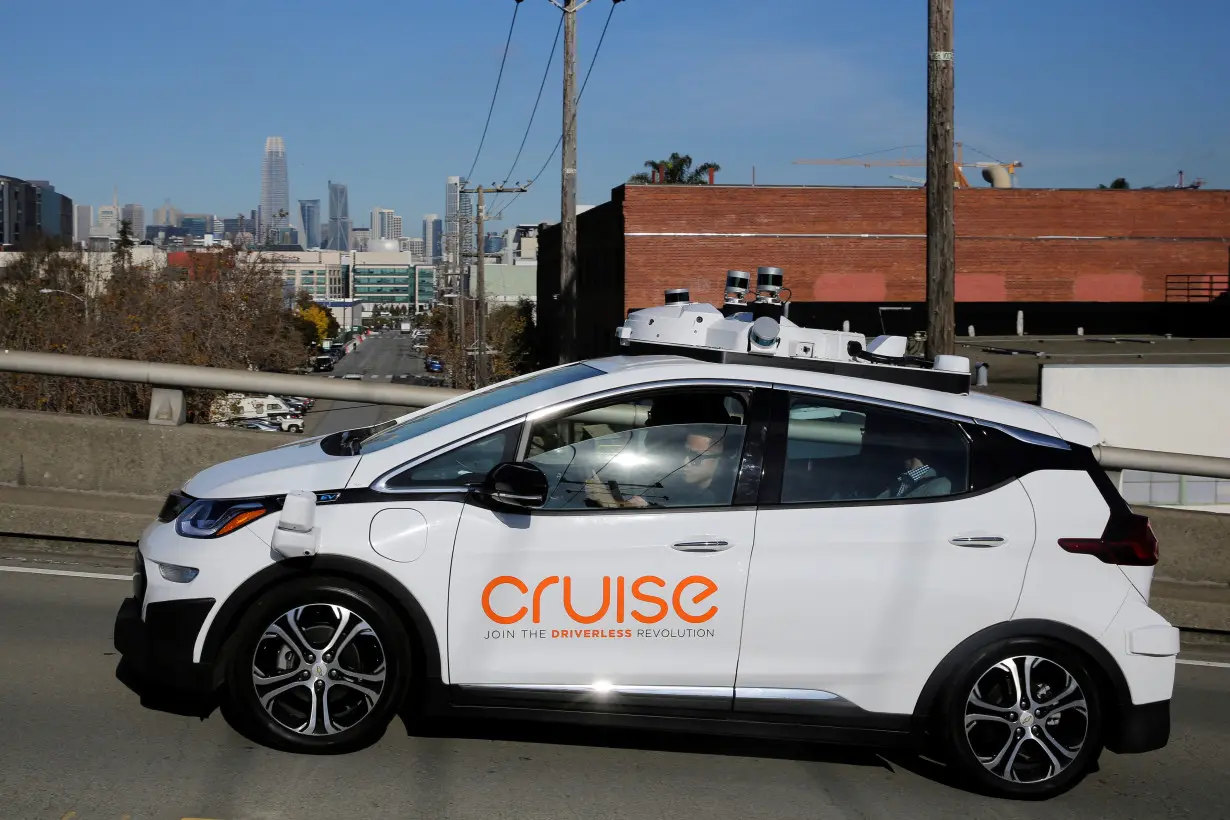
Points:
(1026, 719)
(319, 669)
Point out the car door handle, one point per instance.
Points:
(701, 546)
(976, 541)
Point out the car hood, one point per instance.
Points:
(299, 466)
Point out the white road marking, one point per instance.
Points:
(68, 573)
(1218, 664)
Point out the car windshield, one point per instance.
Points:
(476, 403)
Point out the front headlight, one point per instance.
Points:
(205, 518)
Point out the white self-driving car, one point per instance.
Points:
(774, 532)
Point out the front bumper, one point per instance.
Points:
(158, 649)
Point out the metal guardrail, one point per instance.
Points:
(178, 376)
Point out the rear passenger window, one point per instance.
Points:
(838, 451)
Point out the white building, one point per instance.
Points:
(416, 248)
(108, 223)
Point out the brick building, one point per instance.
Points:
(1107, 260)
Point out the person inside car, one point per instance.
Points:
(920, 479)
(705, 460)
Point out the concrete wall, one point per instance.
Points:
(64, 452)
(1170, 407)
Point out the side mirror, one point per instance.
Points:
(515, 484)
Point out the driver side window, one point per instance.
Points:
(462, 466)
(661, 450)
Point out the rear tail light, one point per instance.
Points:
(1127, 541)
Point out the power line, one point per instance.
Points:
(546, 72)
(580, 94)
(500, 76)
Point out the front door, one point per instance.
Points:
(874, 558)
(630, 581)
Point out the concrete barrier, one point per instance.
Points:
(127, 457)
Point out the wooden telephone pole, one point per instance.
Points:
(941, 235)
(480, 310)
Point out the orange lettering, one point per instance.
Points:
(619, 600)
(710, 588)
(491, 613)
(538, 590)
(649, 599)
(587, 619)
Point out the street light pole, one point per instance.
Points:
(941, 233)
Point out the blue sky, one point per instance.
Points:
(175, 100)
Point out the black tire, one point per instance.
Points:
(355, 720)
(1041, 740)
(294, 428)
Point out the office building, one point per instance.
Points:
(380, 223)
(197, 225)
(167, 214)
(32, 209)
(458, 219)
(108, 223)
(415, 247)
(275, 188)
(84, 218)
(339, 217)
(134, 215)
(359, 238)
(309, 216)
(433, 226)
(493, 243)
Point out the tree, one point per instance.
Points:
(510, 331)
(319, 317)
(123, 249)
(678, 171)
(1119, 184)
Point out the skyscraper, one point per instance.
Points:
(458, 219)
(309, 213)
(275, 189)
(134, 215)
(168, 214)
(380, 223)
(108, 223)
(84, 218)
(432, 228)
(339, 217)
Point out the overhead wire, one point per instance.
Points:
(580, 94)
(496, 93)
(545, 73)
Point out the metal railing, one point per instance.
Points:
(179, 376)
(1196, 287)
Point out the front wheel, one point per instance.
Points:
(1024, 719)
(320, 665)
(294, 428)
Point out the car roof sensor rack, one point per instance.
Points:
(761, 333)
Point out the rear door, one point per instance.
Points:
(875, 556)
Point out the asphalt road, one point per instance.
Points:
(383, 358)
(77, 744)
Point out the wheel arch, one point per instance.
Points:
(1102, 665)
(422, 635)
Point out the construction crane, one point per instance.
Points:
(999, 174)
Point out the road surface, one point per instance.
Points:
(384, 358)
(76, 743)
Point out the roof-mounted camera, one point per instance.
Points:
(761, 332)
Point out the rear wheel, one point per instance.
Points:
(1024, 719)
(320, 665)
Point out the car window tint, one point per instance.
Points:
(838, 451)
(664, 450)
(461, 466)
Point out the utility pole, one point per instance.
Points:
(568, 191)
(941, 234)
(480, 308)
